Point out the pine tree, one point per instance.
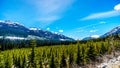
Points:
(19, 62)
(24, 62)
(79, 57)
(32, 55)
(63, 61)
(52, 63)
(1, 61)
(8, 62)
(40, 63)
(103, 49)
(71, 58)
(91, 53)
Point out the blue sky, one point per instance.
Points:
(73, 18)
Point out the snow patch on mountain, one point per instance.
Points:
(95, 36)
(35, 37)
(18, 30)
(34, 29)
(15, 38)
(113, 31)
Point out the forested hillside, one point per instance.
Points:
(60, 56)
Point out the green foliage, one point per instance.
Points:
(59, 56)
(52, 63)
(63, 61)
(32, 62)
(91, 53)
(71, 58)
(79, 56)
(8, 61)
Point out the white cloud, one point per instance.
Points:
(95, 36)
(87, 26)
(52, 6)
(115, 12)
(45, 21)
(49, 18)
(50, 10)
(48, 28)
(61, 31)
(117, 7)
(93, 31)
(80, 30)
(84, 28)
(102, 22)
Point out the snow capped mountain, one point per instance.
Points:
(95, 36)
(115, 30)
(17, 31)
(91, 37)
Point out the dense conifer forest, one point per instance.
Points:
(73, 55)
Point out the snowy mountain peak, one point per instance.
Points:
(8, 22)
(91, 37)
(115, 30)
(18, 31)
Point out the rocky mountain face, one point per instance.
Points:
(114, 31)
(13, 30)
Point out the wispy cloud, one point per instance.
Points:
(48, 28)
(50, 18)
(85, 30)
(60, 31)
(45, 21)
(102, 22)
(50, 10)
(107, 14)
(91, 25)
(92, 31)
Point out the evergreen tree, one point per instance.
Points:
(19, 62)
(32, 55)
(1, 61)
(40, 63)
(91, 53)
(63, 61)
(52, 63)
(79, 57)
(24, 62)
(71, 58)
(103, 49)
(8, 62)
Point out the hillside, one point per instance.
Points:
(13, 30)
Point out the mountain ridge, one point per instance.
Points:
(113, 31)
(13, 29)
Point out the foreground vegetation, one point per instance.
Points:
(58, 56)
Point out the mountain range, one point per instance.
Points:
(14, 30)
(114, 31)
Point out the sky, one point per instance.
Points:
(74, 18)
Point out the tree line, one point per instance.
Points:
(60, 56)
